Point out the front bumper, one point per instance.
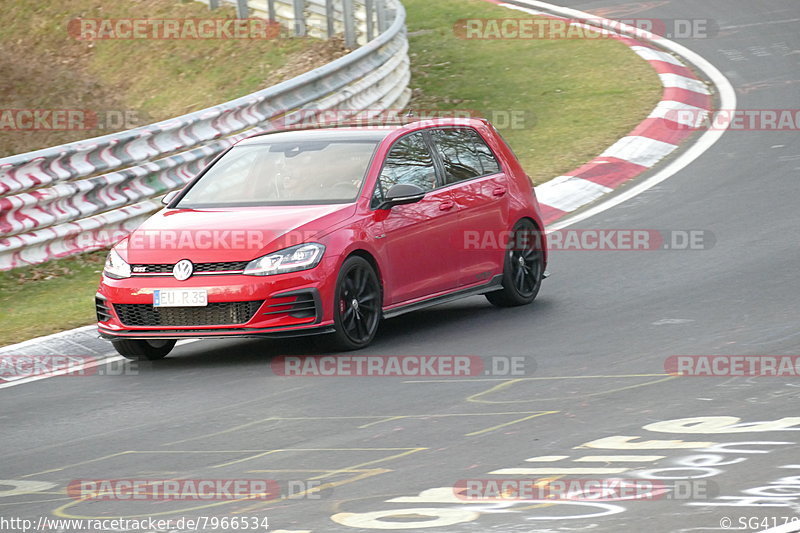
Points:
(283, 305)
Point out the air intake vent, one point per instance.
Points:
(304, 305)
(103, 312)
(214, 314)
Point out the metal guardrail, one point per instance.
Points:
(357, 20)
(86, 195)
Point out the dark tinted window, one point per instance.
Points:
(464, 154)
(488, 161)
(409, 161)
(459, 154)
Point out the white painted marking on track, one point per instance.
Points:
(791, 527)
(555, 471)
(650, 54)
(672, 321)
(68, 370)
(619, 458)
(22, 487)
(685, 114)
(568, 193)
(642, 151)
(13, 381)
(682, 82)
(24, 344)
(753, 24)
(525, 9)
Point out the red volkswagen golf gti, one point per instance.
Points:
(327, 230)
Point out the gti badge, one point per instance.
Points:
(183, 269)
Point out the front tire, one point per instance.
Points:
(143, 349)
(357, 304)
(523, 269)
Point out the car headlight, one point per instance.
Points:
(116, 267)
(293, 259)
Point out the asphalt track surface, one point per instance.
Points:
(594, 346)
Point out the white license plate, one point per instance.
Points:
(180, 298)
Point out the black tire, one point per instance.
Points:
(356, 305)
(143, 349)
(523, 270)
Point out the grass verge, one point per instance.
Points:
(577, 96)
(140, 80)
(54, 296)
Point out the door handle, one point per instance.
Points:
(446, 205)
(499, 191)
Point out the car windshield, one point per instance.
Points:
(284, 173)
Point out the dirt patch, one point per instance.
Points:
(36, 80)
(319, 53)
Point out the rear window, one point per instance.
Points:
(464, 154)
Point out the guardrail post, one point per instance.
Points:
(241, 9)
(368, 8)
(329, 18)
(380, 11)
(271, 9)
(299, 18)
(348, 15)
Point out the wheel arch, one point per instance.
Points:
(369, 258)
(539, 227)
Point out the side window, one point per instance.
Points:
(409, 161)
(459, 153)
(464, 153)
(488, 161)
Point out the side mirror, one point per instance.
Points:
(402, 194)
(167, 199)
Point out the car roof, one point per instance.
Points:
(321, 134)
(354, 131)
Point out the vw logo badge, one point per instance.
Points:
(183, 269)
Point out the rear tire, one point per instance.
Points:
(523, 269)
(143, 349)
(357, 305)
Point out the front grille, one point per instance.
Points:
(102, 310)
(214, 314)
(233, 266)
(218, 267)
